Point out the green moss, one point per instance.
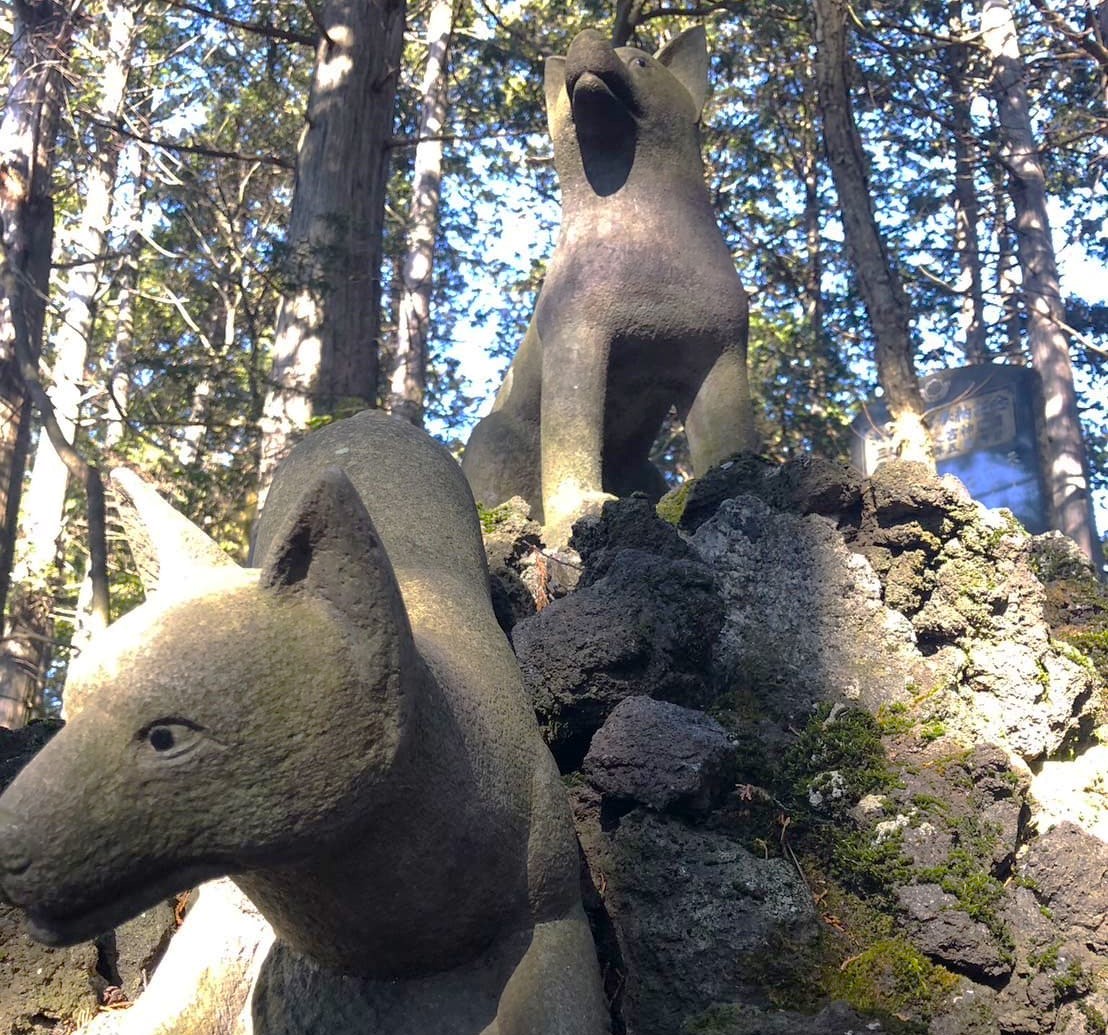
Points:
(892, 977)
(1088, 649)
(894, 718)
(722, 1019)
(1095, 1021)
(1077, 610)
(984, 539)
(1071, 982)
(671, 507)
(737, 710)
(899, 718)
(491, 517)
(931, 805)
(1047, 959)
(835, 760)
(952, 767)
(846, 742)
(967, 876)
(931, 731)
(858, 958)
(869, 865)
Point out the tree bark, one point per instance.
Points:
(966, 208)
(25, 655)
(882, 292)
(325, 354)
(127, 220)
(414, 312)
(1007, 277)
(1066, 462)
(41, 40)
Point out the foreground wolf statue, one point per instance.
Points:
(641, 308)
(344, 732)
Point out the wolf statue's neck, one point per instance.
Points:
(425, 881)
(675, 192)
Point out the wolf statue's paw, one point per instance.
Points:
(563, 511)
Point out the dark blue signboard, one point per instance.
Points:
(983, 422)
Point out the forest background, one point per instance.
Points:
(224, 222)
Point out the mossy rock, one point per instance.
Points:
(1077, 610)
(671, 507)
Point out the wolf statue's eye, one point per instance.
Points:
(640, 62)
(171, 738)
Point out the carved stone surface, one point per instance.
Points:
(48, 988)
(641, 308)
(345, 732)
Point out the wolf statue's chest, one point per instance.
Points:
(670, 275)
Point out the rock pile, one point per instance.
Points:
(831, 749)
(800, 733)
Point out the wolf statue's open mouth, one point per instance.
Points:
(604, 120)
(114, 906)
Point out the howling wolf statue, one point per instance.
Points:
(343, 731)
(641, 308)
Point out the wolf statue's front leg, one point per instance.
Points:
(574, 380)
(544, 995)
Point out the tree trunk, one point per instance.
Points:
(808, 171)
(414, 314)
(25, 655)
(966, 209)
(115, 378)
(628, 14)
(1007, 277)
(1066, 463)
(41, 39)
(190, 450)
(881, 289)
(325, 353)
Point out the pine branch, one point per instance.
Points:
(1086, 40)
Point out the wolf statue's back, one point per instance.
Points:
(641, 308)
(344, 732)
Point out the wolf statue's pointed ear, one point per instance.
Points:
(328, 546)
(166, 546)
(553, 84)
(686, 56)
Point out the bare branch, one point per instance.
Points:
(258, 28)
(193, 149)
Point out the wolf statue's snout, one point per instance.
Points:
(593, 63)
(14, 857)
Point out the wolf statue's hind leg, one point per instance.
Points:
(720, 421)
(502, 457)
(502, 460)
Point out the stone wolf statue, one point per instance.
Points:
(343, 731)
(641, 308)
